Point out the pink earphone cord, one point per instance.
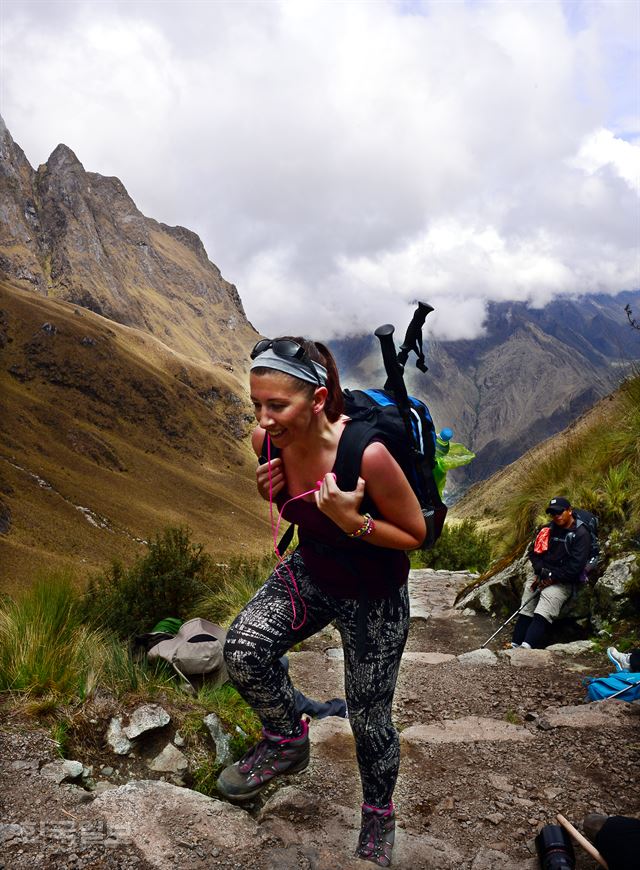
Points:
(275, 527)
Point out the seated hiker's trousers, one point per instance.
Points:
(263, 632)
(548, 602)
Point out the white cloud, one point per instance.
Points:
(603, 149)
(341, 159)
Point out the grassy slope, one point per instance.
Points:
(125, 427)
(595, 461)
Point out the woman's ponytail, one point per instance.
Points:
(334, 406)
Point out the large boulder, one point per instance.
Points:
(610, 594)
(500, 594)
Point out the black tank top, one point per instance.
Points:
(339, 565)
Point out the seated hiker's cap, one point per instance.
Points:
(557, 505)
(196, 649)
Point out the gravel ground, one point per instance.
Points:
(475, 804)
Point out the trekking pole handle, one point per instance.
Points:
(395, 381)
(413, 337)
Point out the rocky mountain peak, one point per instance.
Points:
(12, 158)
(63, 158)
(79, 236)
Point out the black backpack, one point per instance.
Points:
(586, 518)
(375, 416)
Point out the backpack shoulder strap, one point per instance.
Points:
(356, 436)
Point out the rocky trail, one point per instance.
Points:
(494, 744)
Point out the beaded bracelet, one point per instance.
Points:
(368, 525)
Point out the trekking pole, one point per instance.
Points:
(394, 368)
(621, 691)
(413, 338)
(395, 382)
(509, 620)
(589, 848)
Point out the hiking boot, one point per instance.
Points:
(377, 835)
(622, 661)
(270, 757)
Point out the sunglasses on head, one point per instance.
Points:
(284, 347)
(287, 349)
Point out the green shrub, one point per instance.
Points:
(234, 583)
(460, 547)
(167, 581)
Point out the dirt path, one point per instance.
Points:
(484, 766)
(491, 751)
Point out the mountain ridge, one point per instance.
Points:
(78, 236)
(108, 436)
(528, 376)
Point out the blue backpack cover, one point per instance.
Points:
(622, 684)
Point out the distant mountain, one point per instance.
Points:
(123, 357)
(78, 236)
(530, 374)
(593, 461)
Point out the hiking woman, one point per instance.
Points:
(350, 568)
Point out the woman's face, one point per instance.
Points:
(282, 406)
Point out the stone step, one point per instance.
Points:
(467, 729)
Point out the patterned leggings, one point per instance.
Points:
(262, 633)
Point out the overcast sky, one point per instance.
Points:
(341, 159)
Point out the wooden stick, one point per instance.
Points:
(582, 841)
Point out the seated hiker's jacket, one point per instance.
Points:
(566, 554)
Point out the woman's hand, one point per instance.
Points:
(274, 468)
(400, 524)
(341, 507)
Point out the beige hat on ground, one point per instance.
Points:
(195, 650)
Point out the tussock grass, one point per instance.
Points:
(44, 648)
(49, 655)
(597, 468)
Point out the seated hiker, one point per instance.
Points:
(625, 661)
(558, 554)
